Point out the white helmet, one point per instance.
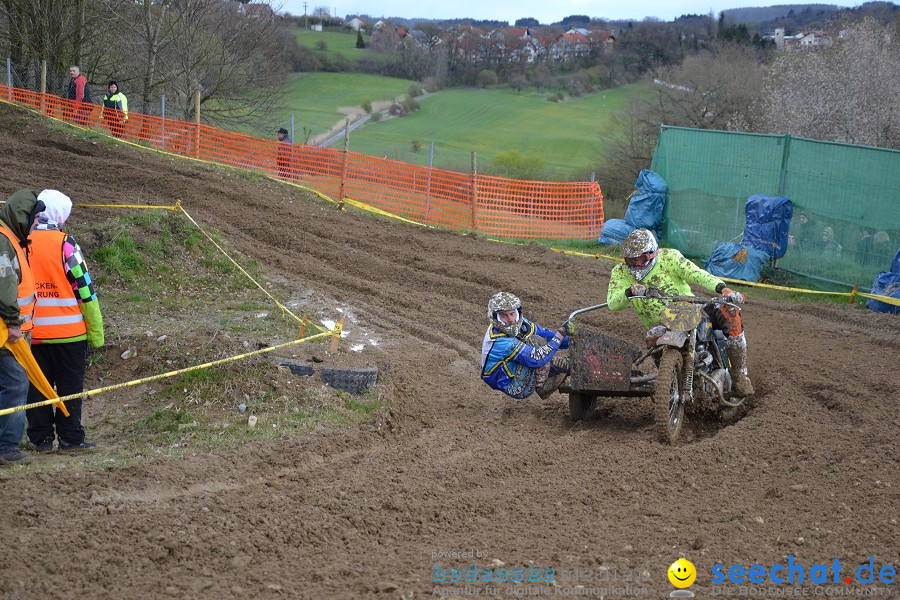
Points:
(640, 250)
(502, 301)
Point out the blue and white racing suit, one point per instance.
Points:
(510, 363)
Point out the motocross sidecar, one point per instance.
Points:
(601, 365)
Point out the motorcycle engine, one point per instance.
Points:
(721, 377)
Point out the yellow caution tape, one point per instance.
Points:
(172, 207)
(127, 384)
(284, 309)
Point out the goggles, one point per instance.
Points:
(641, 260)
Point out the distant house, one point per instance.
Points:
(254, 11)
(570, 47)
(815, 38)
(355, 24)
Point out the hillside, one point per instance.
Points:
(809, 469)
(756, 15)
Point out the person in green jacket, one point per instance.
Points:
(115, 109)
(667, 272)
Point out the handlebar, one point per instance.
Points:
(584, 310)
(691, 299)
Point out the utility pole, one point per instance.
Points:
(305, 20)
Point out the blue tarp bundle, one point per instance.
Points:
(887, 284)
(648, 203)
(614, 232)
(768, 222)
(736, 261)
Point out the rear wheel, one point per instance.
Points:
(667, 398)
(580, 406)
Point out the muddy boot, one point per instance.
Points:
(559, 370)
(737, 356)
(550, 386)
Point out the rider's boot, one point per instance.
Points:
(559, 370)
(737, 356)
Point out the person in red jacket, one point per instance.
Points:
(80, 94)
(66, 320)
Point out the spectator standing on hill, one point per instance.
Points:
(285, 154)
(115, 109)
(66, 319)
(80, 93)
(17, 299)
(831, 249)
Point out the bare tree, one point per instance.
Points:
(846, 93)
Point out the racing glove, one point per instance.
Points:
(638, 289)
(567, 328)
(733, 296)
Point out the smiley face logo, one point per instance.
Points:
(682, 573)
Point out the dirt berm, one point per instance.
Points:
(810, 470)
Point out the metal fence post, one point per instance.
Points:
(197, 118)
(293, 137)
(474, 191)
(428, 187)
(162, 114)
(593, 206)
(9, 78)
(344, 162)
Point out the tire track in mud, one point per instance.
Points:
(352, 513)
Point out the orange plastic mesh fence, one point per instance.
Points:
(494, 206)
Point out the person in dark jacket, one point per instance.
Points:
(285, 155)
(80, 94)
(115, 109)
(17, 302)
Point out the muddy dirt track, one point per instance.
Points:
(811, 468)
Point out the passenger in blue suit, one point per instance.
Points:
(513, 360)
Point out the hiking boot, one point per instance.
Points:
(14, 457)
(66, 447)
(550, 386)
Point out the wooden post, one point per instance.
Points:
(197, 121)
(336, 337)
(853, 293)
(474, 191)
(43, 86)
(303, 327)
(344, 162)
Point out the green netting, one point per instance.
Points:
(851, 191)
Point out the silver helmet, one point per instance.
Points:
(502, 301)
(640, 250)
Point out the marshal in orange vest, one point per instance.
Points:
(26, 293)
(57, 314)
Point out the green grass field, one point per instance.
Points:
(569, 135)
(336, 43)
(315, 97)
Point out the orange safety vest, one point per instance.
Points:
(56, 312)
(25, 294)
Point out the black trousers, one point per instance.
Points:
(64, 366)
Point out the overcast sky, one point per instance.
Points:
(504, 10)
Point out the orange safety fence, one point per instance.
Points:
(494, 206)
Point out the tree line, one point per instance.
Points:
(237, 58)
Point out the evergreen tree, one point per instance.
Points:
(359, 39)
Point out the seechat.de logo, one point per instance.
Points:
(795, 573)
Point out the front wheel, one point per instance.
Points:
(580, 406)
(667, 398)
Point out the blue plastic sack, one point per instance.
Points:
(648, 203)
(736, 262)
(614, 232)
(768, 223)
(886, 284)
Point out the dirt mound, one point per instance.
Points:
(810, 470)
